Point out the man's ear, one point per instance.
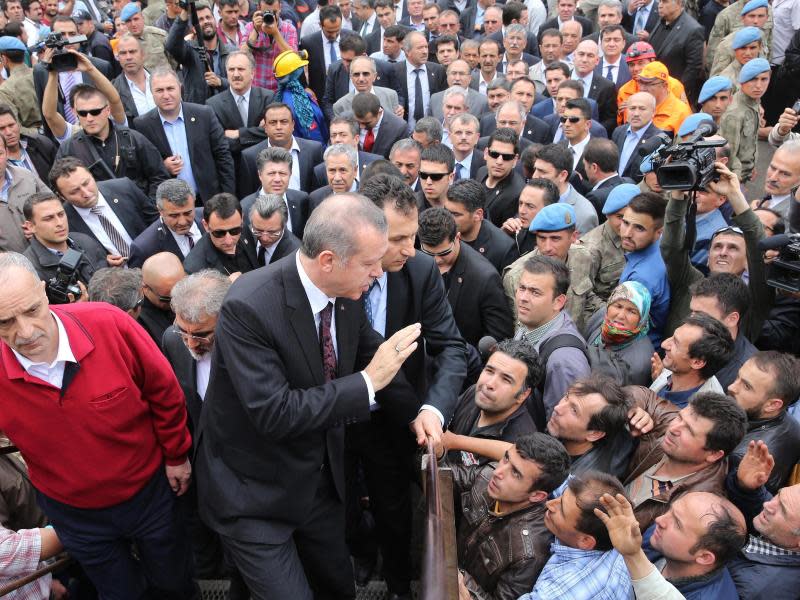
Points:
(205, 225)
(586, 542)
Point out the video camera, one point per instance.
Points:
(65, 281)
(63, 60)
(689, 165)
(784, 271)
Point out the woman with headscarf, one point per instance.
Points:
(617, 336)
(309, 121)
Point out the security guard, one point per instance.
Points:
(152, 38)
(739, 124)
(559, 218)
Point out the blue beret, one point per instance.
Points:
(619, 197)
(753, 68)
(714, 86)
(691, 123)
(128, 11)
(8, 42)
(554, 217)
(752, 5)
(746, 35)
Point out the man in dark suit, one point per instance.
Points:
(417, 79)
(613, 65)
(532, 128)
(409, 291)
(678, 40)
(178, 228)
(266, 223)
(502, 183)
(609, 14)
(642, 15)
(587, 57)
(189, 137)
(323, 48)
(379, 129)
(640, 128)
(566, 12)
(113, 212)
(160, 273)
(305, 154)
(344, 130)
(134, 78)
(557, 73)
(474, 288)
(569, 90)
(341, 165)
(34, 152)
(240, 109)
(600, 161)
(471, 27)
(464, 136)
(270, 457)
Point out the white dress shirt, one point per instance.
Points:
(614, 69)
(142, 99)
(294, 178)
(52, 373)
(411, 82)
(326, 51)
(318, 301)
(466, 166)
(93, 222)
(182, 239)
(203, 373)
(577, 150)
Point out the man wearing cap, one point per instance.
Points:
(670, 112)
(678, 41)
(754, 13)
(739, 124)
(96, 43)
(18, 89)
(715, 97)
(152, 38)
(640, 128)
(746, 46)
(638, 56)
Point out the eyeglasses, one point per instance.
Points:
(728, 229)
(503, 155)
(442, 253)
(221, 233)
(91, 111)
(200, 336)
(275, 234)
(164, 299)
(570, 119)
(433, 176)
(139, 302)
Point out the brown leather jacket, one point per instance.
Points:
(501, 554)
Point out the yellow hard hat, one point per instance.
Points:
(287, 62)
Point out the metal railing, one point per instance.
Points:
(60, 562)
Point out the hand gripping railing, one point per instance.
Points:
(60, 562)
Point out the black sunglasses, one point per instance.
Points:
(442, 253)
(91, 111)
(164, 299)
(434, 176)
(503, 155)
(570, 119)
(221, 233)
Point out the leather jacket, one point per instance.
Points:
(501, 554)
(782, 436)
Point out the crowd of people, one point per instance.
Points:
(256, 256)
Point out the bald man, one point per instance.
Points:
(639, 129)
(571, 34)
(160, 273)
(595, 86)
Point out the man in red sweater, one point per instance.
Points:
(98, 414)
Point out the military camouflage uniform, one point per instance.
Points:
(739, 125)
(732, 73)
(582, 301)
(606, 247)
(728, 21)
(152, 11)
(19, 92)
(153, 40)
(723, 54)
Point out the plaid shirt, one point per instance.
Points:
(573, 574)
(760, 545)
(265, 53)
(19, 556)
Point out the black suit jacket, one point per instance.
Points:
(586, 25)
(269, 420)
(124, 91)
(316, 197)
(185, 368)
(632, 167)
(224, 106)
(493, 244)
(310, 155)
(599, 196)
(392, 129)
(297, 207)
(158, 238)
(40, 75)
(321, 175)
(680, 48)
(467, 19)
(535, 130)
(653, 19)
(212, 163)
(289, 244)
(134, 210)
(316, 44)
(416, 294)
(373, 39)
(623, 77)
(531, 47)
(42, 152)
(502, 202)
(476, 296)
(605, 93)
(596, 130)
(204, 255)
(155, 321)
(437, 82)
(337, 84)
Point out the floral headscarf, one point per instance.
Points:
(637, 294)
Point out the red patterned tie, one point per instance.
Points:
(369, 140)
(326, 343)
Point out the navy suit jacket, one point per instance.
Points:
(437, 81)
(623, 77)
(158, 238)
(547, 107)
(298, 210)
(310, 155)
(227, 112)
(632, 167)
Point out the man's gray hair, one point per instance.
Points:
(792, 147)
(127, 36)
(342, 149)
(615, 4)
(164, 71)
(404, 145)
(119, 287)
(373, 67)
(455, 90)
(409, 40)
(174, 191)
(336, 224)
(516, 106)
(15, 259)
(516, 28)
(355, 128)
(470, 43)
(466, 119)
(499, 82)
(199, 295)
(267, 205)
(273, 154)
(247, 55)
(431, 127)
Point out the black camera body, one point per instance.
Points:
(63, 60)
(268, 17)
(784, 271)
(691, 167)
(65, 281)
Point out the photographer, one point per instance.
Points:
(267, 36)
(204, 67)
(46, 219)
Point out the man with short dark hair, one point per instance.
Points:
(536, 194)
(435, 175)
(600, 163)
(417, 78)
(501, 182)
(576, 122)
(380, 130)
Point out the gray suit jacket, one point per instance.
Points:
(387, 96)
(476, 103)
(584, 211)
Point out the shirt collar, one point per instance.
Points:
(411, 68)
(63, 354)
(580, 145)
(641, 131)
(316, 297)
(164, 120)
(602, 181)
(246, 94)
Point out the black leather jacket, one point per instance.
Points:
(782, 437)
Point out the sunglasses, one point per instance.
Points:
(433, 176)
(164, 299)
(503, 155)
(570, 119)
(729, 229)
(91, 111)
(221, 233)
(442, 253)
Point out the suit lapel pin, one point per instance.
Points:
(116, 200)
(460, 280)
(192, 119)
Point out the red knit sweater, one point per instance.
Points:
(120, 418)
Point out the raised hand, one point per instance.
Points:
(756, 466)
(623, 528)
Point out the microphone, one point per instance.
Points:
(486, 345)
(773, 243)
(705, 129)
(654, 143)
